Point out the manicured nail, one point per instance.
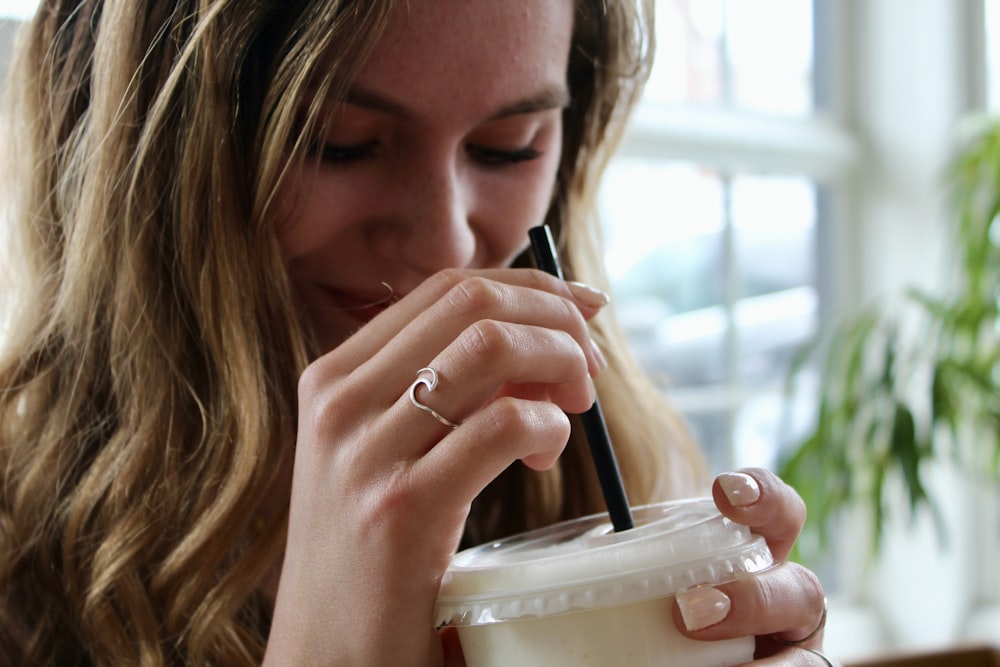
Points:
(588, 295)
(740, 489)
(602, 363)
(702, 607)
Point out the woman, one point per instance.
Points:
(242, 229)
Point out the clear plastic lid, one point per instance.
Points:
(583, 564)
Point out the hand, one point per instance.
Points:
(784, 606)
(381, 490)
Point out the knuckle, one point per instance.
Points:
(792, 507)
(777, 588)
(809, 585)
(445, 279)
(576, 325)
(394, 493)
(765, 594)
(511, 420)
(321, 374)
(755, 595)
(319, 396)
(485, 339)
(474, 295)
(571, 312)
(541, 280)
(312, 381)
(578, 356)
(504, 420)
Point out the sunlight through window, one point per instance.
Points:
(17, 9)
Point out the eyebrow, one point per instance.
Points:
(553, 97)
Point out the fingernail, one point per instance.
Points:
(588, 295)
(740, 489)
(602, 362)
(702, 607)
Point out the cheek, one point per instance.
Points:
(519, 205)
(290, 215)
(305, 219)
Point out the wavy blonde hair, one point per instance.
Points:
(148, 376)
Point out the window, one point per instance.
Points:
(775, 178)
(992, 29)
(985, 620)
(712, 214)
(721, 52)
(18, 9)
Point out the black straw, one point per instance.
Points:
(593, 419)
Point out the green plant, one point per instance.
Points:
(900, 389)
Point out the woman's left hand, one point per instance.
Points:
(784, 606)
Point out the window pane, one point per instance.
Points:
(756, 430)
(688, 65)
(712, 430)
(770, 53)
(774, 222)
(682, 292)
(665, 248)
(992, 27)
(18, 9)
(714, 281)
(751, 54)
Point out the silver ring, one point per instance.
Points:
(821, 656)
(819, 626)
(431, 384)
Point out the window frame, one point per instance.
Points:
(876, 147)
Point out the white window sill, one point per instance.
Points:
(855, 632)
(984, 624)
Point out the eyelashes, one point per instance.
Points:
(495, 156)
(335, 154)
(343, 155)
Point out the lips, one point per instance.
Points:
(363, 307)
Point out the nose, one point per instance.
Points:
(430, 223)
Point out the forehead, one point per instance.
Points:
(479, 49)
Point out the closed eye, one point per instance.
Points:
(335, 154)
(499, 157)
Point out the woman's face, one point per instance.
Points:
(443, 155)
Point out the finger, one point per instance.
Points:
(505, 360)
(475, 299)
(452, 648)
(785, 603)
(797, 657)
(385, 372)
(393, 437)
(451, 300)
(527, 361)
(531, 365)
(505, 431)
(757, 498)
(491, 360)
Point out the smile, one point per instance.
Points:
(363, 307)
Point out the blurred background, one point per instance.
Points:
(786, 170)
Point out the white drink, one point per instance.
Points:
(578, 593)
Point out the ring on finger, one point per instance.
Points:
(431, 384)
(819, 626)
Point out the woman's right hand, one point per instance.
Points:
(381, 489)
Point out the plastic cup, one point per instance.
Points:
(578, 593)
